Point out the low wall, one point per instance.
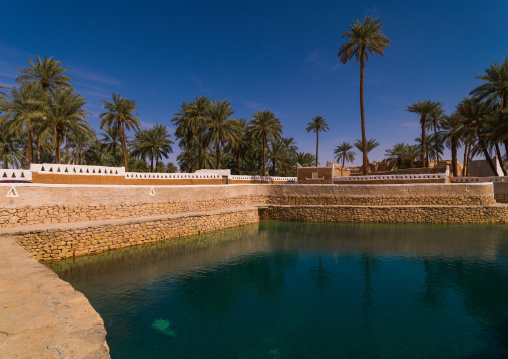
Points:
(96, 237)
(47, 204)
(384, 214)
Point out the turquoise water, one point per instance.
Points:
(305, 290)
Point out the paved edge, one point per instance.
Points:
(42, 316)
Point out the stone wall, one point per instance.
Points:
(49, 204)
(63, 242)
(384, 214)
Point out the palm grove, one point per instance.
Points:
(42, 120)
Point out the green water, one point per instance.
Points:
(305, 290)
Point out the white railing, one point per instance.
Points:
(49, 168)
(478, 179)
(391, 177)
(261, 178)
(12, 174)
(155, 175)
(77, 169)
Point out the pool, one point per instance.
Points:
(305, 290)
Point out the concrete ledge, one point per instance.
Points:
(42, 316)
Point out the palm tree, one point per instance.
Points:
(120, 114)
(47, 75)
(24, 112)
(198, 118)
(266, 126)
(153, 143)
(2, 94)
(110, 138)
(184, 130)
(434, 122)
(304, 159)
(473, 113)
(396, 156)
(343, 153)
(220, 128)
(363, 39)
(80, 143)
(371, 144)
(279, 154)
(317, 125)
(495, 122)
(451, 132)
(9, 146)
(66, 113)
(424, 109)
(495, 87)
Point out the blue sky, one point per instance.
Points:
(263, 55)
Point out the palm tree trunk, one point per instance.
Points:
(199, 152)
(343, 163)
(317, 146)
(151, 163)
(464, 167)
(424, 152)
(217, 153)
(437, 147)
(498, 153)
(58, 145)
(486, 154)
(454, 156)
(362, 115)
(29, 152)
(468, 159)
(264, 156)
(67, 145)
(124, 146)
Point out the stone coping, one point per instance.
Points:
(42, 316)
(35, 228)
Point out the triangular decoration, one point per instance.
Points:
(12, 193)
(152, 192)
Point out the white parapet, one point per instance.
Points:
(391, 177)
(77, 169)
(12, 174)
(157, 175)
(261, 178)
(479, 179)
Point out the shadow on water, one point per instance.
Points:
(305, 290)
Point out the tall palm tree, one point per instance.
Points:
(47, 75)
(24, 112)
(317, 125)
(66, 113)
(343, 153)
(266, 126)
(198, 118)
(451, 132)
(371, 144)
(495, 87)
(80, 143)
(424, 109)
(434, 122)
(184, 128)
(279, 154)
(153, 143)
(120, 113)
(363, 39)
(220, 128)
(473, 113)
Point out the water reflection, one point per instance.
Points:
(305, 290)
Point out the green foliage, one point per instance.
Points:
(153, 143)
